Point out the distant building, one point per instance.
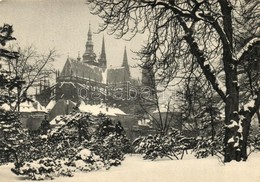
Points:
(89, 79)
(31, 114)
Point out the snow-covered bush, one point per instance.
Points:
(48, 168)
(83, 143)
(254, 141)
(206, 146)
(42, 169)
(211, 134)
(111, 148)
(11, 136)
(109, 142)
(170, 145)
(86, 160)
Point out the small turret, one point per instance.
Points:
(78, 58)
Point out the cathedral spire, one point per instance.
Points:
(103, 57)
(89, 35)
(125, 63)
(89, 56)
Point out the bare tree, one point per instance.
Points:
(30, 67)
(211, 34)
(159, 111)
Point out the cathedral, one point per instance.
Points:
(89, 79)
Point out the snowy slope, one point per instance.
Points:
(135, 169)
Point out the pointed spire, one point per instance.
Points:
(103, 51)
(89, 55)
(125, 63)
(103, 57)
(89, 34)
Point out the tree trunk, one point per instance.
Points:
(258, 117)
(246, 123)
(232, 148)
(231, 152)
(246, 129)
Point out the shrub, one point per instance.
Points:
(170, 145)
(70, 149)
(206, 146)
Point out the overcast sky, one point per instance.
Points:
(63, 25)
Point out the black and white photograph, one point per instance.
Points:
(130, 90)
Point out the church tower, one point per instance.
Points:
(89, 56)
(126, 66)
(103, 58)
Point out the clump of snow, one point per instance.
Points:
(240, 129)
(59, 120)
(232, 125)
(5, 107)
(82, 165)
(249, 105)
(44, 137)
(231, 140)
(84, 154)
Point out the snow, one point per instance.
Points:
(247, 46)
(100, 108)
(134, 168)
(28, 106)
(85, 154)
(39, 107)
(6, 107)
(197, 14)
(50, 105)
(231, 140)
(233, 124)
(104, 76)
(249, 105)
(58, 120)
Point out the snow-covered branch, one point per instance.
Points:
(247, 48)
(253, 105)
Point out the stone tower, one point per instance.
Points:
(89, 56)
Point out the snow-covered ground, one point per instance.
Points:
(135, 169)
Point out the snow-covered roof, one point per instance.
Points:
(34, 106)
(100, 108)
(163, 109)
(50, 105)
(117, 111)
